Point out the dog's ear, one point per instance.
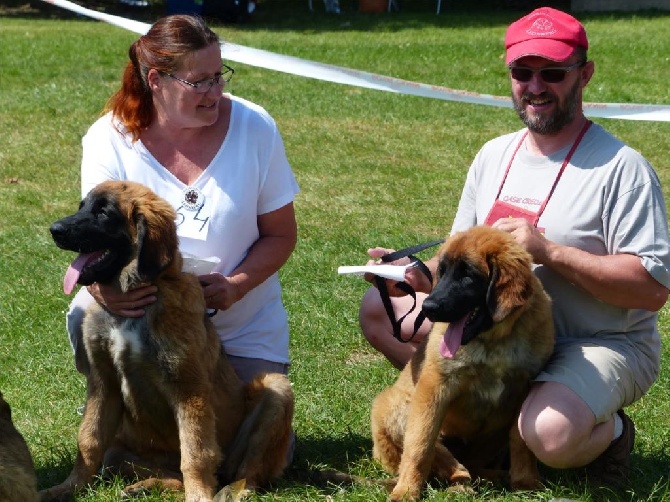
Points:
(510, 286)
(491, 292)
(156, 245)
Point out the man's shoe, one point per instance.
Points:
(612, 467)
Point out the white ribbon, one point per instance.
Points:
(340, 75)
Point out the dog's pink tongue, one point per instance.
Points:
(452, 338)
(75, 268)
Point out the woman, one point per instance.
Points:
(220, 161)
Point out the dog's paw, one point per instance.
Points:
(464, 488)
(526, 484)
(404, 494)
(234, 492)
(58, 493)
(132, 491)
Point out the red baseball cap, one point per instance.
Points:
(545, 32)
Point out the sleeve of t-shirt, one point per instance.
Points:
(278, 184)
(637, 221)
(466, 214)
(100, 160)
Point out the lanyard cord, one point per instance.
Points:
(409, 251)
(566, 161)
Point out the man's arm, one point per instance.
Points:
(619, 279)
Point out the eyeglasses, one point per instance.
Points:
(203, 86)
(551, 75)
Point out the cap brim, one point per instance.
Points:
(555, 50)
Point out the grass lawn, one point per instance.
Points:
(374, 168)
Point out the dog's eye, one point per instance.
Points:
(463, 270)
(100, 207)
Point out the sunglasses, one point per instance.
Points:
(551, 75)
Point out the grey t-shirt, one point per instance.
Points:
(607, 201)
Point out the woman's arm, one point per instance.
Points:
(278, 236)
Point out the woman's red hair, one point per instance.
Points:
(163, 48)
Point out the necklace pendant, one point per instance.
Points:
(193, 198)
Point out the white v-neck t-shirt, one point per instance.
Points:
(249, 176)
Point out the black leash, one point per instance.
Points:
(403, 286)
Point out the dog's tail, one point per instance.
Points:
(262, 447)
(236, 450)
(260, 450)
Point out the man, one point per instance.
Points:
(590, 211)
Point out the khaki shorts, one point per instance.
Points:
(606, 373)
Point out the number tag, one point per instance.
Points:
(193, 224)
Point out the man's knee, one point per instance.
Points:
(551, 433)
(372, 317)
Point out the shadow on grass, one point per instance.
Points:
(37, 9)
(311, 455)
(335, 452)
(294, 15)
(648, 481)
(53, 474)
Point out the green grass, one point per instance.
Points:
(374, 168)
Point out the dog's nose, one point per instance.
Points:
(430, 308)
(57, 230)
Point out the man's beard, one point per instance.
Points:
(564, 114)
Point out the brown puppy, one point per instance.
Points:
(492, 334)
(18, 482)
(163, 402)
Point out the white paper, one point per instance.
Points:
(199, 266)
(394, 272)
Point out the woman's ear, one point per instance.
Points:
(153, 79)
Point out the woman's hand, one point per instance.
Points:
(129, 304)
(220, 291)
(278, 234)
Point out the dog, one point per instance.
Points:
(454, 407)
(18, 481)
(163, 403)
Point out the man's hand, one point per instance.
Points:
(526, 235)
(413, 275)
